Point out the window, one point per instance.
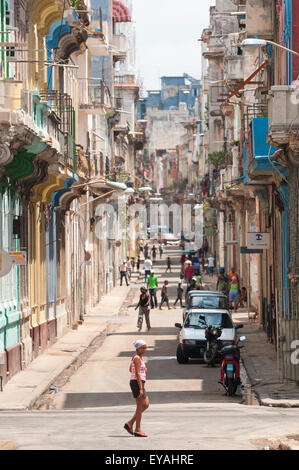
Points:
(218, 320)
(208, 301)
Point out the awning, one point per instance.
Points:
(121, 13)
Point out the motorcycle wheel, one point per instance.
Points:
(210, 356)
(231, 387)
(181, 358)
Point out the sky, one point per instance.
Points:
(166, 38)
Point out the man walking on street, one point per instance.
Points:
(164, 296)
(147, 268)
(180, 291)
(152, 284)
(211, 265)
(168, 265)
(123, 273)
(189, 272)
(143, 305)
(129, 268)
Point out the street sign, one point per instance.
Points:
(5, 263)
(244, 250)
(256, 240)
(18, 258)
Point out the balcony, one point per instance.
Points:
(60, 122)
(283, 115)
(260, 160)
(96, 42)
(119, 46)
(125, 80)
(91, 95)
(234, 68)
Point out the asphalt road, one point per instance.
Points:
(188, 408)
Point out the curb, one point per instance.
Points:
(263, 399)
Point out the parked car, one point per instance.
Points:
(206, 300)
(192, 341)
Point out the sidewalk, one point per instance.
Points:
(260, 361)
(24, 389)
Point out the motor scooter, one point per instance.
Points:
(212, 334)
(230, 367)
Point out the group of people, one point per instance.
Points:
(230, 285)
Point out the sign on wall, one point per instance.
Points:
(257, 240)
(18, 258)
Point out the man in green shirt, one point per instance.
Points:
(152, 285)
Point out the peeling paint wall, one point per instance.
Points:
(260, 18)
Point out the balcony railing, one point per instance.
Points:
(61, 104)
(91, 92)
(124, 80)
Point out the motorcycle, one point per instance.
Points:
(230, 367)
(212, 334)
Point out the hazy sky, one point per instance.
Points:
(166, 37)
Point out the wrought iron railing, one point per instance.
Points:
(61, 104)
(91, 91)
(63, 126)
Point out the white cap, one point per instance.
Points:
(139, 343)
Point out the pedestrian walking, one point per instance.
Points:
(138, 264)
(233, 273)
(191, 286)
(123, 273)
(189, 272)
(243, 297)
(138, 372)
(222, 281)
(129, 268)
(164, 296)
(133, 264)
(147, 268)
(161, 251)
(144, 310)
(234, 293)
(198, 282)
(152, 284)
(196, 266)
(168, 265)
(180, 291)
(146, 251)
(154, 253)
(211, 265)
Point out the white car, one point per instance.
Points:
(192, 341)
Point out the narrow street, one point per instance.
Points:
(126, 124)
(185, 400)
(103, 379)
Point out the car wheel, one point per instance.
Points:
(181, 358)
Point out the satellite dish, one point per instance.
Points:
(5, 263)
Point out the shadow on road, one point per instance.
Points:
(100, 400)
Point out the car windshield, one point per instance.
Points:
(208, 301)
(221, 320)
